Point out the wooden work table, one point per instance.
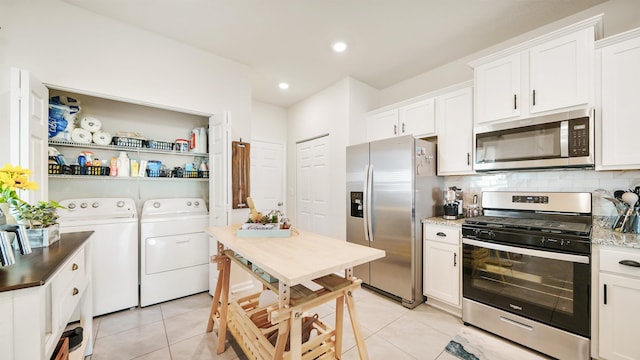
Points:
(292, 261)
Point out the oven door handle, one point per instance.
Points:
(524, 251)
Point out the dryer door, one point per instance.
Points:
(172, 252)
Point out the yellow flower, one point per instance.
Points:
(13, 178)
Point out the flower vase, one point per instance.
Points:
(8, 212)
(10, 219)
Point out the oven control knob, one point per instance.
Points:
(564, 242)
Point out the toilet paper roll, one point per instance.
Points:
(80, 135)
(91, 124)
(102, 138)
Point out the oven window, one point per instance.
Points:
(526, 143)
(555, 292)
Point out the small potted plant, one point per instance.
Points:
(41, 221)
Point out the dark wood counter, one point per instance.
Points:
(36, 268)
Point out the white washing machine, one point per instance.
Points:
(174, 249)
(114, 248)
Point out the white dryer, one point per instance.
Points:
(114, 248)
(174, 249)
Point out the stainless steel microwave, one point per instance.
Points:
(563, 140)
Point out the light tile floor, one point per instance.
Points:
(176, 330)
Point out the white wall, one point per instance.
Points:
(362, 98)
(268, 122)
(69, 47)
(619, 16)
(323, 113)
(339, 111)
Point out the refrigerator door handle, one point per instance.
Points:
(365, 201)
(369, 186)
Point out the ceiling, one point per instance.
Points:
(290, 40)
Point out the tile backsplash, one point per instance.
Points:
(557, 180)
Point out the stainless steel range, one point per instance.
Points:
(527, 270)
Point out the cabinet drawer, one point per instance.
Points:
(73, 268)
(447, 234)
(69, 297)
(68, 287)
(610, 261)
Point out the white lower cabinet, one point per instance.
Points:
(34, 318)
(619, 300)
(442, 264)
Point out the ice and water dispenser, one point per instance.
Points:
(356, 204)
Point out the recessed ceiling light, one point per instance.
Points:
(283, 86)
(339, 46)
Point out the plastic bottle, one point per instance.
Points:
(134, 167)
(113, 167)
(123, 164)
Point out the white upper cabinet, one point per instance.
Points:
(498, 89)
(382, 125)
(418, 119)
(549, 74)
(617, 127)
(559, 72)
(454, 117)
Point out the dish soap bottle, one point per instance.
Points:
(123, 164)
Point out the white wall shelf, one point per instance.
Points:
(125, 148)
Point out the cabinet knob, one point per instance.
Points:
(440, 233)
(455, 259)
(75, 291)
(74, 267)
(395, 129)
(403, 128)
(515, 101)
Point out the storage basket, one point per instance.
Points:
(158, 145)
(74, 169)
(98, 170)
(250, 325)
(55, 169)
(157, 173)
(189, 174)
(126, 141)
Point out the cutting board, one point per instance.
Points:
(240, 171)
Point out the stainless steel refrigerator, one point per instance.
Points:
(391, 186)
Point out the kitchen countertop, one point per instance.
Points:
(439, 220)
(601, 232)
(298, 258)
(36, 268)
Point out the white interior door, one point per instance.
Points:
(219, 164)
(312, 184)
(267, 175)
(29, 130)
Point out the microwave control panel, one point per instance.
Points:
(579, 137)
